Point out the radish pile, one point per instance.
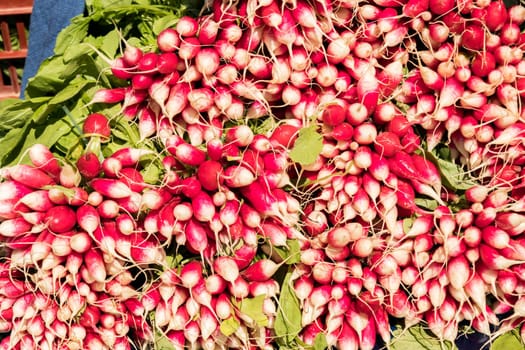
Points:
(328, 169)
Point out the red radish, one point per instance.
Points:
(402, 164)
(13, 190)
(473, 37)
(132, 55)
(95, 265)
(89, 165)
(368, 92)
(241, 135)
(226, 267)
(197, 239)
(113, 95)
(232, 33)
(88, 218)
(274, 233)
(208, 30)
(111, 167)
(60, 219)
(108, 209)
(132, 178)
(191, 274)
(80, 242)
(187, 26)
(452, 90)
(189, 154)
(168, 40)
(177, 99)
(69, 176)
(146, 63)
(428, 171)
(30, 176)
(159, 91)
(9, 209)
(260, 271)
(238, 176)
(121, 70)
(413, 8)
(203, 207)
(145, 250)
(201, 99)
(14, 227)
(37, 200)
(365, 133)
(97, 124)
(493, 259)
(387, 144)
(167, 64)
(42, 158)
(357, 114)
(483, 64)
(129, 156)
(284, 135)
(113, 189)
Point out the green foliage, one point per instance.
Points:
(288, 321)
(508, 341)
(253, 309)
(229, 326)
(308, 146)
(67, 80)
(291, 253)
(417, 338)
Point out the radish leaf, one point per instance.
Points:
(288, 321)
(253, 308)
(452, 176)
(292, 254)
(229, 326)
(509, 340)
(162, 342)
(417, 338)
(430, 204)
(308, 146)
(320, 342)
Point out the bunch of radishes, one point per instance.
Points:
(353, 163)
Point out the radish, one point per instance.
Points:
(42, 158)
(129, 156)
(88, 218)
(89, 165)
(189, 154)
(30, 176)
(226, 268)
(113, 189)
(97, 124)
(60, 219)
(14, 227)
(95, 265)
(37, 200)
(238, 176)
(196, 236)
(261, 270)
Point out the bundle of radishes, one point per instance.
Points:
(327, 169)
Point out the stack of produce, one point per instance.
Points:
(306, 174)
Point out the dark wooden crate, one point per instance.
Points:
(14, 18)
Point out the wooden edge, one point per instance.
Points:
(15, 7)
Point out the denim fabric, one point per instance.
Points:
(49, 17)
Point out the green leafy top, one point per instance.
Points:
(308, 145)
(417, 338)
(288, 321)
(68, 79)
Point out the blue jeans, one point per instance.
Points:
(49, 17)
